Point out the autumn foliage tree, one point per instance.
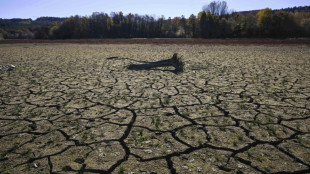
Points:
(264, 22)
(278, 24)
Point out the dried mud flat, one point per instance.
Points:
(67, 108)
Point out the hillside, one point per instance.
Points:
(18, 23)
(290, 9)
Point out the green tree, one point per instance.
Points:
(225, 28)
(305, 24)
(3, 34)
(192, 25)
(283, 24)
(213, 25)
(248, 26)
(202, 20)
(209, 25)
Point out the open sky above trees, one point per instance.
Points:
(172, 8)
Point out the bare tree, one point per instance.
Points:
(223, 8)
(219, 8)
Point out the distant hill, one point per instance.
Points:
(50, 19)
(296, 9)
(18, 23)
(291, 9)
(15, 23)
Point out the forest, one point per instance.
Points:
(214, 21)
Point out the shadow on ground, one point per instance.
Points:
(174, 61)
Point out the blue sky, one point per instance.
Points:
(168, 8)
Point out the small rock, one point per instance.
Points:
(158, 133)
(101, 154)
(214, 170)
(10, 67)
(148, 151)
(191, 160)
(36, 165)
(199, 126)
(117, 153)
(240, 166)
(7, 67)
(199, 169)
(147, 142)
(211, 159)
(185, 167)
(168, 146)
(168, 151)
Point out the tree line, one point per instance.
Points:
(213, 22)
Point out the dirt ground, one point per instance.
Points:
(76, 108)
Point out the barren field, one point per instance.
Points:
(76, 108)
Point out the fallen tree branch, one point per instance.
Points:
(175, 61)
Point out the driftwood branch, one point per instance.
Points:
(175, 61)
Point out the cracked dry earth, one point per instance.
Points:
(66, 108)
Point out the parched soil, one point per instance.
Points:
(159, 41)
(77, 108)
